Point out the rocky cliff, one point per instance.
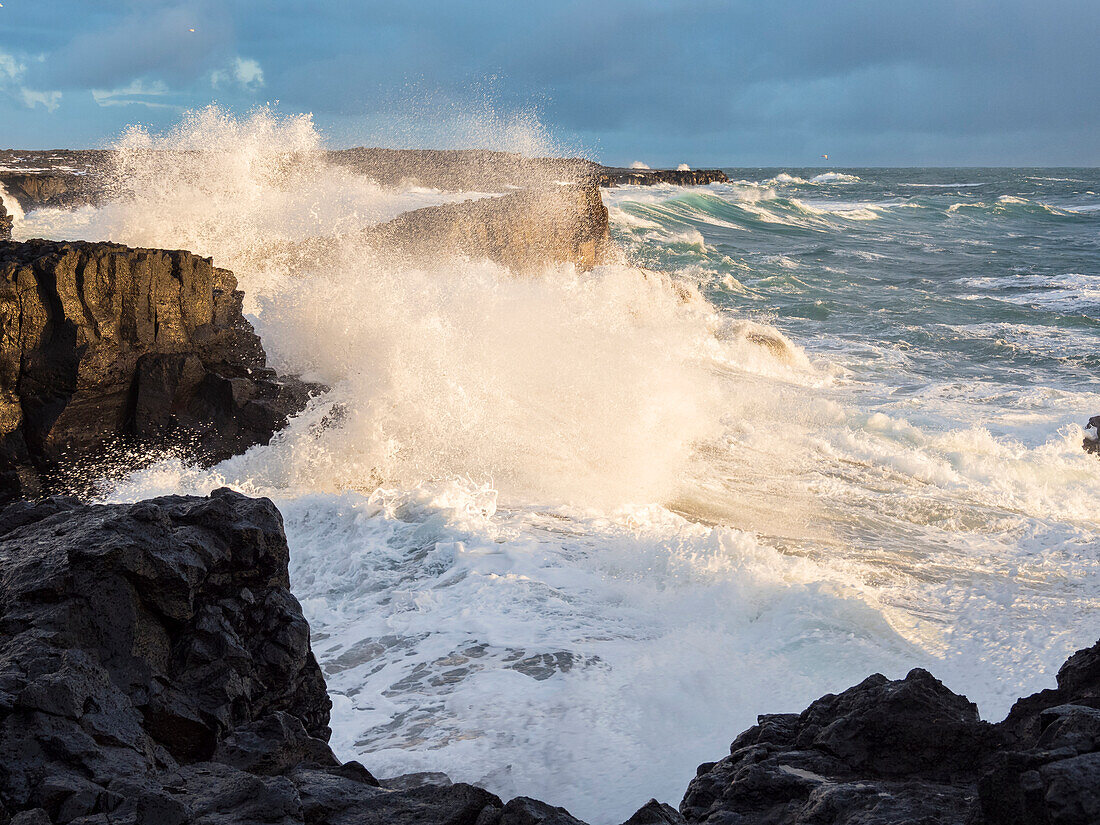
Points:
(104, 344)
(5, 221)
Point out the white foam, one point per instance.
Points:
(569, 533)
(14, 210)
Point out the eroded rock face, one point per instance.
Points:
(103, 343)
(156, 670)
(6, 221)
(911, 751)
(140, 638)
(523, 230)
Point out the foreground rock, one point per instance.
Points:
(104, 345)
(155, 669)
(911, 751)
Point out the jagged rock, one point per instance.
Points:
(1050, 775)
(140, 638)
(526, 811)
(155, 670)
(911, 751)
(6, 221)
(655, 813)
(105, 344)
(33, 190)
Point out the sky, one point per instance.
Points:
(703, 82)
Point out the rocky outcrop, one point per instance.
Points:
(522, 230)
(6, 220)
(156, 670)
(34, 190)
(104, 345)
(911, 751)
(609, 176)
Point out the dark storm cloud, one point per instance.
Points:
(938, 81)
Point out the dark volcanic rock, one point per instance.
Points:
(911, 751)
(156, 670)
(103, 343)
(139, 638)
(6, 221)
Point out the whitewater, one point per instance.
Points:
(566, 534)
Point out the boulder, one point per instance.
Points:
(522, 230)
(156, 670)
(105, 346)
(911, 751)
(141, 638)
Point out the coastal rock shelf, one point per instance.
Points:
(156, 670)
(606, 176)
(104, 345)
(66, 178)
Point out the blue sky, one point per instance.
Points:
(769, 82)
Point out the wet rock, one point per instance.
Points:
(6, 220)
(107, 347)
(526, 811)
(655, 813)
(522, 230)
(156, 670)
(140, 638)
(412, 780)
(911, 751)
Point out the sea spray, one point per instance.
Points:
(567, 534)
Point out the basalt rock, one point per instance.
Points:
(156, 670)
(106, 345)
(6, 221)
(911, 751)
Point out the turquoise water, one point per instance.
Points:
(985, 275)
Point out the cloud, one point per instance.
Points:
(47, 100)
(10, 68)
(12, 71)
(244, 72)
(707, 81)
(137, 93)
(248, 73)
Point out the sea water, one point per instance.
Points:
(569, 533)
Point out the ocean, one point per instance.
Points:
(566, 535)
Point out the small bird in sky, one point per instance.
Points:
(824, 156)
